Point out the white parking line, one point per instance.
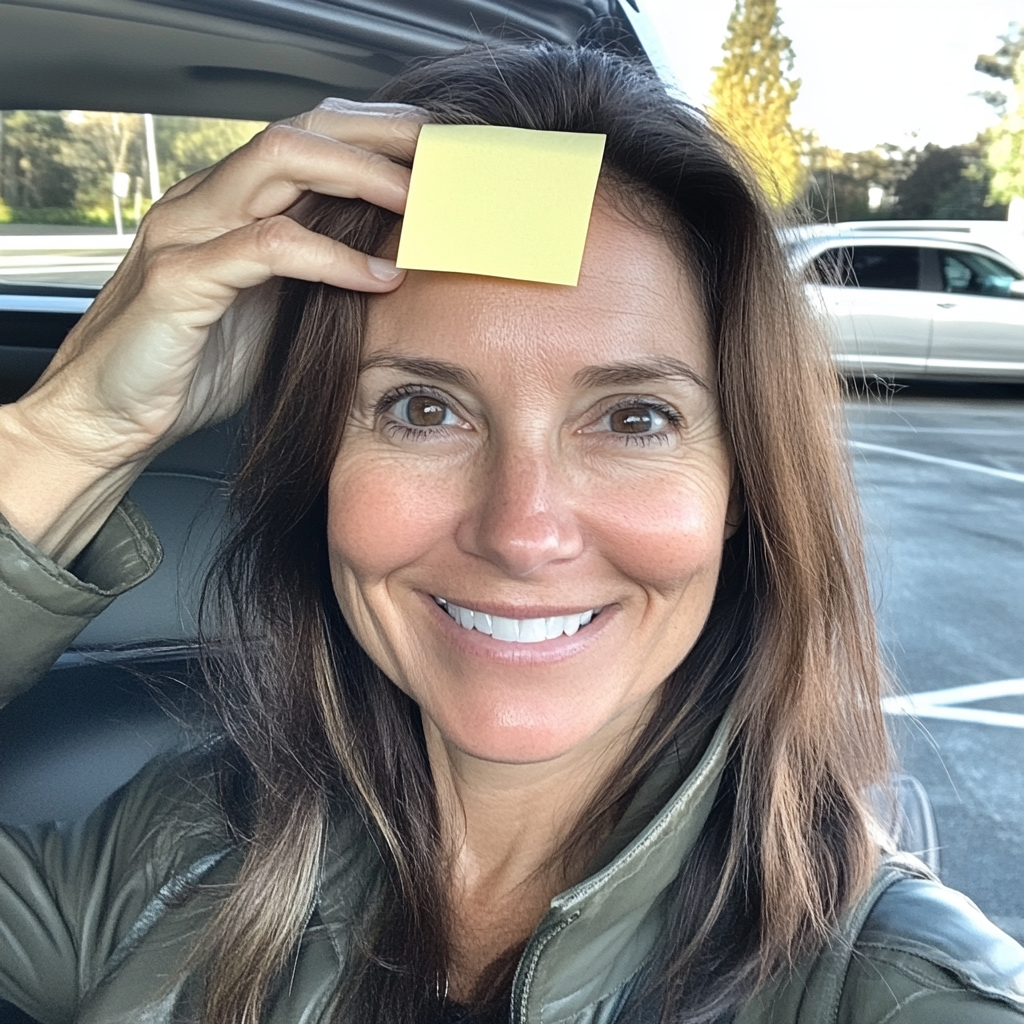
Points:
(1003, 474)
(945, 703)
(901, 428)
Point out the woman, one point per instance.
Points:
(543, 646)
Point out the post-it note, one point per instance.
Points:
(505, 202)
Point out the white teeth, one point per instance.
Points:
(531, 631)
(504, 629)
(524, 631)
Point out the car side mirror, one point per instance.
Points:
(1016, 290)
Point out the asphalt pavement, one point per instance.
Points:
(940, 471)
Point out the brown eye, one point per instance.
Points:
(635, 419)
(424, 411)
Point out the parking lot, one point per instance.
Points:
(941, 475)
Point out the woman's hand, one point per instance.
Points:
(152, 360)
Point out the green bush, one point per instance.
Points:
(97, 216)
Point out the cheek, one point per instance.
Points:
(665, 532)
(381, 517)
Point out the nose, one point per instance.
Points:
(523, 518)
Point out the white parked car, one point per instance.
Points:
(914, 304)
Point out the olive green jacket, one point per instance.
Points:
(97, 918)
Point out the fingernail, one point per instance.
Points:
(384, 270)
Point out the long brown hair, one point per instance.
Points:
(323, 742)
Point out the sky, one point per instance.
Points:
(873, 71)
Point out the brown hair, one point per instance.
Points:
(321, 737)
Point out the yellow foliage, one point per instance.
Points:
(752, 96)
(1006, 149)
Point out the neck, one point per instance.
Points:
(506, 826)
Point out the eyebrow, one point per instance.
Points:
(622, 374)
(435, 369)
(643, 371)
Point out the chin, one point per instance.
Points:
(522, 735)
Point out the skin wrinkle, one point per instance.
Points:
(530, 500)
(634, 374)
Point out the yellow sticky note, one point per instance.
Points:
(505, 202)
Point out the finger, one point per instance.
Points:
(272, 171)
(197, 283)
(387, 128)
(185, 185)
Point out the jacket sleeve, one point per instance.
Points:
(43, 607)
(924, 954)
(901, 988)
(78, 899)
(927, 955)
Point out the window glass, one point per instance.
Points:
(970, 273)
(886, 266)
(75, 183)
(834, 267)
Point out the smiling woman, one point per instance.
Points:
(540, 640)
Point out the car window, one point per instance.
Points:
(74, 184)
(868, 266)
(970, 273)
(886, 266)
(834, 267)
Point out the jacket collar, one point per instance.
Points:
(597, 935)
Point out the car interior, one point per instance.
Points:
(130, 687)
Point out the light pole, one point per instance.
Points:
(121, 184)
(154, 167)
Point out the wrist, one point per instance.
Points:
(57, 499)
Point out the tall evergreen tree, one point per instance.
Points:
(753, 93)
(1006, 145)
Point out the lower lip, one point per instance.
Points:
(545, 652)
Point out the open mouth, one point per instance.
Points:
(521, 631)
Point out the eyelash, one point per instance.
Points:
(409, 432)
(671, 416)
(406, 431)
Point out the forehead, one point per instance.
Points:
(634, 297)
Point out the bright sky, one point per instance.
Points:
(873, 71)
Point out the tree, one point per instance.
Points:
(947, 183)
(933, 183)
(753, 93)
(58, 166)
(839, 184)
(33, 173)
(1006, 146)
(102, 145)
(188, 144)
(1001, 63)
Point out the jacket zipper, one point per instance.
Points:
(528, 967)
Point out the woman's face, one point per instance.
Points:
(541, 462)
